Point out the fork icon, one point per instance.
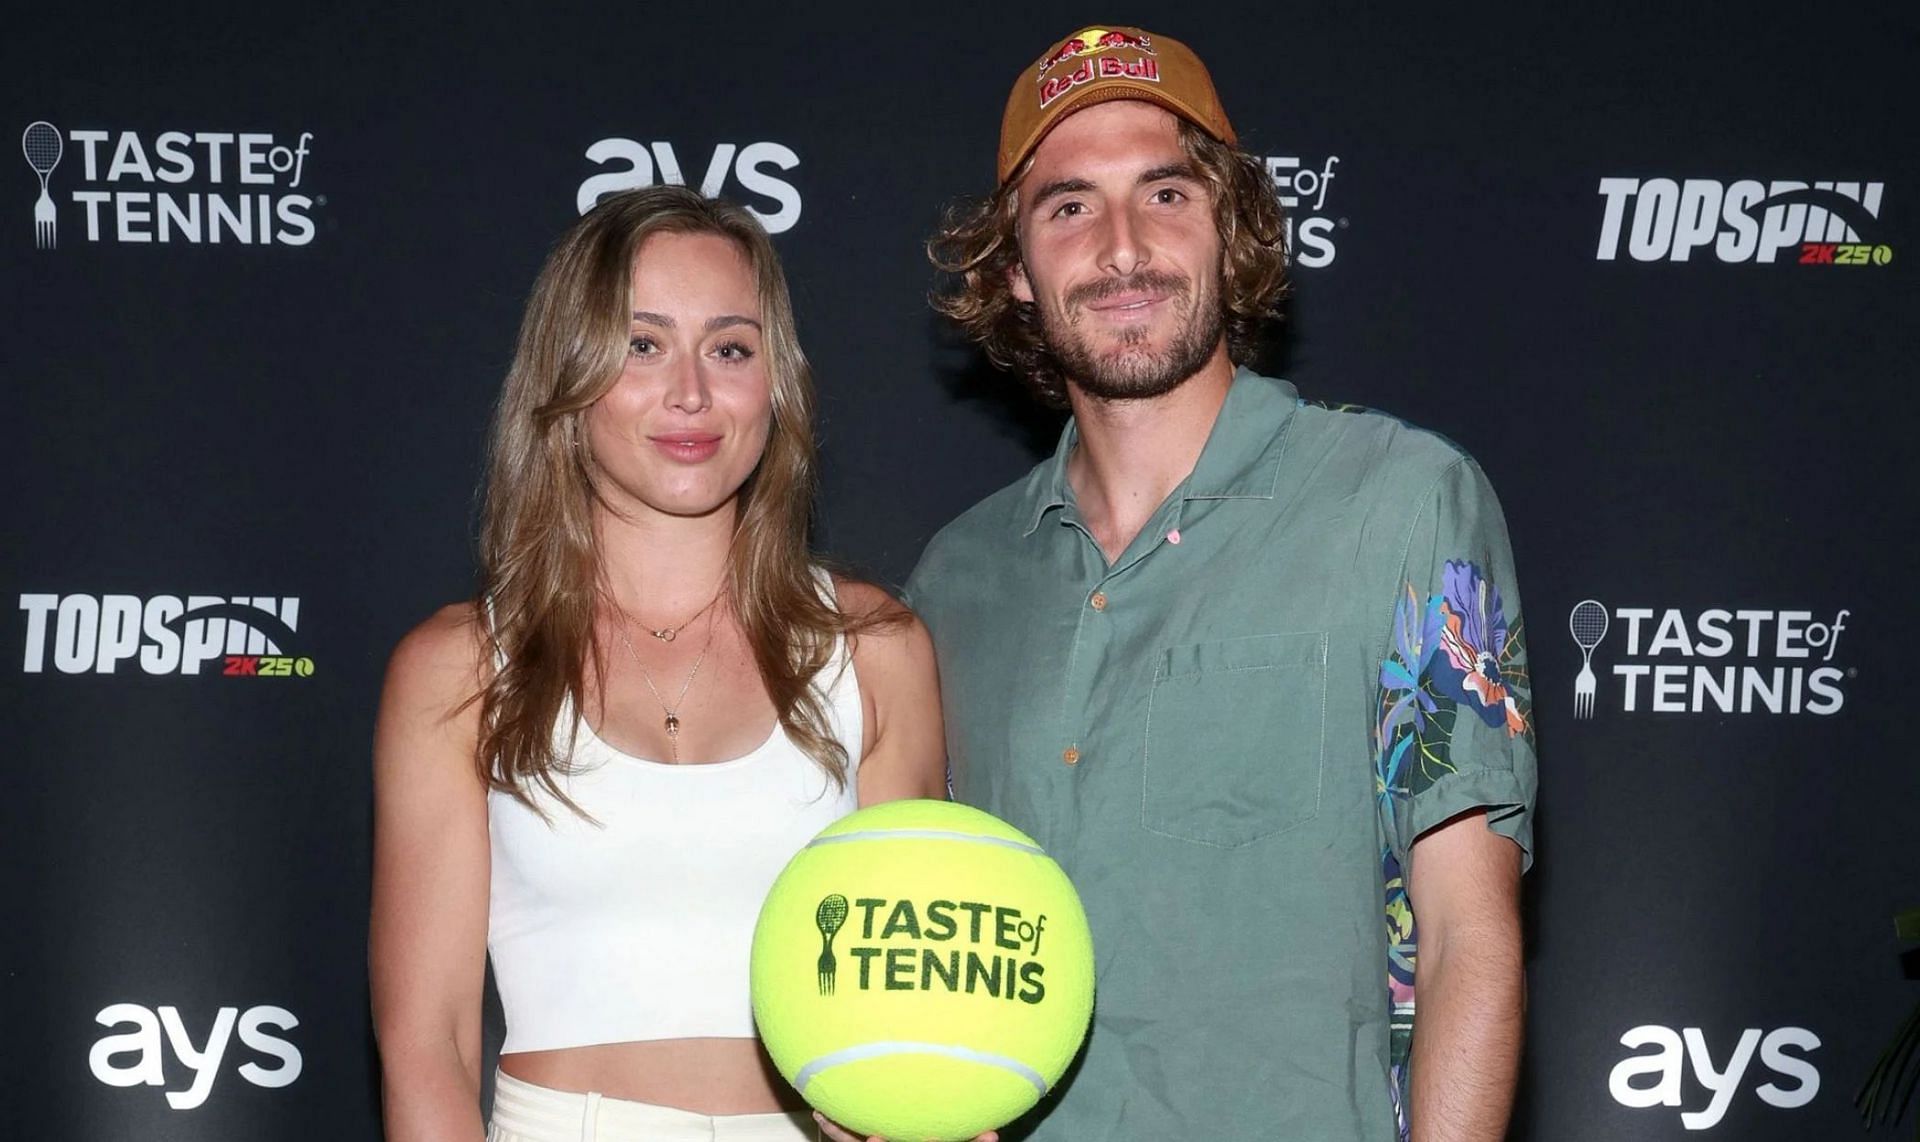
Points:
(1583, 690)
(1588, 625)
(42, 146)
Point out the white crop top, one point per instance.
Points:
(638, 927)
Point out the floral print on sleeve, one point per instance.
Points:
(1452, 652)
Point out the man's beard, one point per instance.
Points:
(1132, 372)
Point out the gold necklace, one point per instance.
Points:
(672, 722)
(668, 634)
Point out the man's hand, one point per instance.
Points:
(837, 1133)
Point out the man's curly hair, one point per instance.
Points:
(979, 243)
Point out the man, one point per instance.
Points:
(1234, 659)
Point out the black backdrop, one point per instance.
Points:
(273, 443)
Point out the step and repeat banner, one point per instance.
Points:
(1655, 268)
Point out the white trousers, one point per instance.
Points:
(524, 1112)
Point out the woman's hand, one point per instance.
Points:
(837, 1133)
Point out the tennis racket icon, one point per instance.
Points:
(1588, 623)
(828, 917)
(41, 144)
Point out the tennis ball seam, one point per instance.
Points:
(883, 1048)
(923, 835)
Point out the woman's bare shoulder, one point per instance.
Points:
(865, 602)
(886, 632)
(443, 653)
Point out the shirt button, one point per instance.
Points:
(1070, 755)
(1099, 601)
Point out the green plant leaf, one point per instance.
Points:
(1884, 1096)
(1906, 925)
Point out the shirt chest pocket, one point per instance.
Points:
(1235, 738)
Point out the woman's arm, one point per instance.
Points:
(428, 936)
(906, 749)
(906, 740)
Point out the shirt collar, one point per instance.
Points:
(1241, 459)
(1047, 483)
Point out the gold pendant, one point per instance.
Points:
(673, 725)
(664, 635)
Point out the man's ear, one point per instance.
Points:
(1018, 283)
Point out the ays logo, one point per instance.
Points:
(1718, 660)
(952, 945)
(243, 188)
(1662, 219)
(652, 164)
(1657, 1076)
(238, 636)
(136, 1054)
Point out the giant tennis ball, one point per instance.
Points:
(921, 970)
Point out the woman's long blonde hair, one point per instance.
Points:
(540, 577)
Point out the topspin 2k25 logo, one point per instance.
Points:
(250, 636)
(1832, 223)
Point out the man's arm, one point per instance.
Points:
(1464, 885)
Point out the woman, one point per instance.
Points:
(596, 768)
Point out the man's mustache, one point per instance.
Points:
(1153, 281)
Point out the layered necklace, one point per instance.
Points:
(668, 634)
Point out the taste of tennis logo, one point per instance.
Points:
(240, 636)
(242, 188)
(1303, 188)
(1717, 660)
(895, 953)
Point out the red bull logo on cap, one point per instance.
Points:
(1106, 67)
(1092, 43)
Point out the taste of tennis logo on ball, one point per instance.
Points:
(909, 947)
(922, 970)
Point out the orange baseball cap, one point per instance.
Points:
(1094, 65)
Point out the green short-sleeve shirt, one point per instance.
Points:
(1229, 738)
